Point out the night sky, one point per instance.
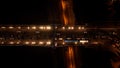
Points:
(97, 11)
(24, 12)
(47, 11)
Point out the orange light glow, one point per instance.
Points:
(70, 57)
(63, 5)
(65, 19)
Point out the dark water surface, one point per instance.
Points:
(48, 57)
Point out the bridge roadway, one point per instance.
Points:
(38, 35)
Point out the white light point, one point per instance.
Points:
(41, 42)
(76, 42)
(82, 27)
(60, 38)
(69, 27)
(18, 42)
(72, 28)
(33, 43)
(28, 27)
(48, 43)
(63, 28)
(48, 27)
(63, 43)
(27, 42)
(55, 44)
(11, 42)
(41, 27)
(55, 27)
(19, 27)
(79, 28)
(34, 27)
(11, 27)
(2, 42)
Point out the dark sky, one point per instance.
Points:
(47, 11)
(96, 11)
(24, 12)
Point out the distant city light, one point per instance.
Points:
(3, 27)
(76, 42)
(41, 27)
(48, 27)
(18, 42)
(11, 27)
(48, 42)
(79, 27)
(28, 27)
(71, 28)
(55, 44)
(41, 42)
(33, 42)
(63, 43)
(27, 42)
(63, 28)
(68, 38)
(60, 38)
(55, 27)
(55, 38)
(82, 27)
(34, 27)
(11, 42)
(19, 27)
(2, 42)
(95, 42)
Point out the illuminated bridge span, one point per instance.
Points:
(49, 35)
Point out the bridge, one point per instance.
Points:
(55, 35)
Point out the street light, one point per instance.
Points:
(41, 42)
(11, 27)
(48, 27)
(33, 42)
(82, 27)
(79, 27)
(34, 27)
(27, 42)
(48, 42)
(63, 28)
(19, 27)
(41, 27)
(11, 42)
